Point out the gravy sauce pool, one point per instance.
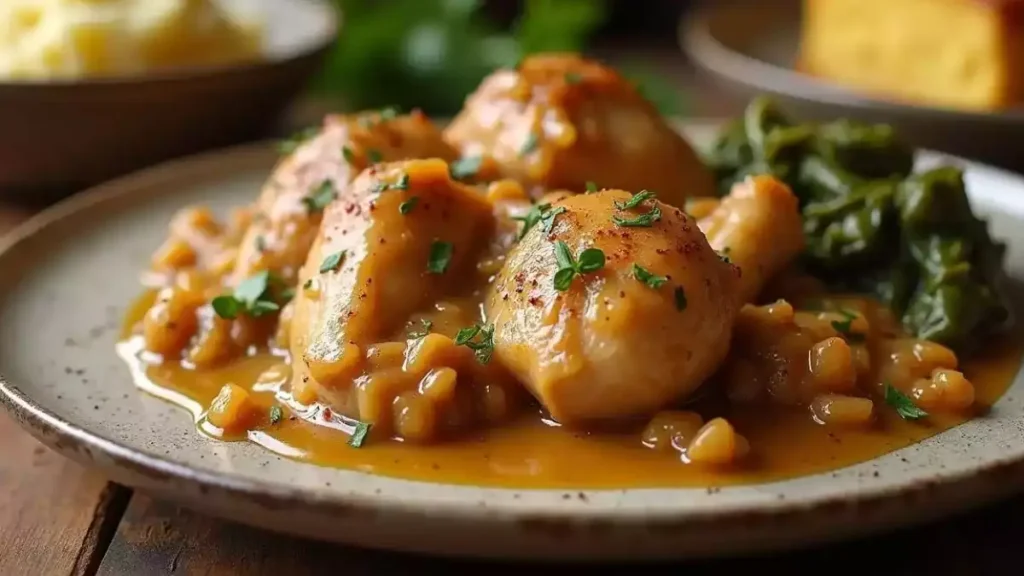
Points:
(533, 452)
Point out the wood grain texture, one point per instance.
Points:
(157, 538)
(55, 516)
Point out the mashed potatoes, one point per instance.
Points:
(43, 39)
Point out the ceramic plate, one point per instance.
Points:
(68, 273)
(752, 47)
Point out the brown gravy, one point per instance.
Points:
(532, 452)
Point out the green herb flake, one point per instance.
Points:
(425, 328)
(636, 200)
(332, 261)
(647, 277)
(465, 168)
(590, 260)
(251, 297)
(902, 403)
(478, 338)
(276, 414)
(539, 214)
(724, 255)
(307, 284)
(573, 78)
(287, 294)
(389, 113)
(292, 144)
(440, 257)
(845, 326)
(402, 183)
(374, 156)
(529, 145)
(348, 155)
(408, 205)
(591, 187)
(642, 221)
(261, 243)
(680, 296)
(226, 306)
(320, 197)
(359, 433)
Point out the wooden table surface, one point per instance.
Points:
(58, 518)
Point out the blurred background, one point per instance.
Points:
(431, 53)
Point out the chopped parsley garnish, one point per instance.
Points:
(319, 197)
(307, 284)
(590, 260)
(845, 326)
(680, 296)
(539, 213)
(902, 403)
(276, 414)
(408, 205)
(573, 78)
(724, 255)
(287, 294)
(465, 168)
(402, 184)
(374, 156)
(591, 186)
(292, 144)
(479, 339)
(251, 297)
(647, 277)
(389, 113)
(348, 155)
(359, 434)
(642, 221)
(529, 145)
(635, 200)
(332, 261)
(261, 244)
(425, 327)
(440, 257)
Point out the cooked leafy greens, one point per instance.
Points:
(872, 225)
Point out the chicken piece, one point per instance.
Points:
(758, 227)
(560, 121)
(403, 235)
(644, 330)
(292, 202)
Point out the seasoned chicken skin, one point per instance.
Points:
(616, 343)
(399, 238)
(560, 121)
(759, 228)
(290, 207)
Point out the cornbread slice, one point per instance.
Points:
(966, 54)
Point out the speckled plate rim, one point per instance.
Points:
(552, 524)
(703, 48)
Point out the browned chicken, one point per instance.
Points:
(663, 298)
(560, 121)
(629, 331)
(401, 237)
(759, 228)
(289, 209)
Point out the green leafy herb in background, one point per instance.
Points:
(430, 54)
